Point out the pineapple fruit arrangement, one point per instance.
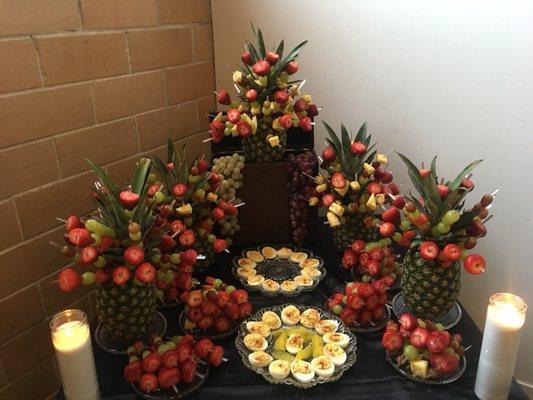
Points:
(114, 246)
(215, 309)
(160, 366)
(361, 304)
(422, 348)
(268, 102)
(353, 187)
(189, 211)
(438, 230)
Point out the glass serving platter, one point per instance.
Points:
(441, 379)
(351, 349)
(210, 333)
(182, 389)
(279, 270)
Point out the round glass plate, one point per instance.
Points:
(357, 277)
(112, 346)
(374, 326)
(448, 321)
(209, 334)
(279, 270)
(183, 389)
(351, 349)
(441, 379)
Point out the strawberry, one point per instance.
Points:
(222, 324)
(179, 190)
(349, 259)
(189, 256)
(177, 226)
(246, 58)
(443, 190)
(148, 383)
(300, 105)
(399, 202)
(216, 356)
(429, 250)
(69, 279)
(231, 310)
(216, 129)
(357, 246)
(291, 68)
(153, 189)
(306, 124)
(205, 322)
(121, 275)
(251, 95)
(223, 97)
(261, 68)
(188, 371)
(329, 154)
(145, 273)
(134, 255)
(128, 199)
(133, 371)
(233, 115)
(245, 310)
(187, 238)
(365, 317)
(195, 298)
(219, 245)
(348, 316)
(374, 188)
(312, 110)
(392, 215)
(203, 347)
(387, 229)
(365, 290)
(378, 313)
(244, 129)
(338, 180)
(217, 214)
(327, 200)
(209, 308)
(239, 296)
(89, 255)
(371, 302)
(272, 57)
(451, 252)
(152, 362)
(101, 276)
(170, 359)
(169, 377)
(223, 298)
(79, 237)
(392, 340)
(167, 242)
(358, 148)
(105, 243)
(73, 221)
(355, 301)
(195, 314)
(408, 321)
(281, 97)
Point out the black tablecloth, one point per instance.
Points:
(370, 378)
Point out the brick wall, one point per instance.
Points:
(104, 79)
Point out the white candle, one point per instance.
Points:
(505, 317)
(72, 341)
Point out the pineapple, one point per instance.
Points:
(438, 230)
(257, 149)
(352, 229)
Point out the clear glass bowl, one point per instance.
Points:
(279, 270)
(183, 389)
(351, 349)
(210, 333)
(442, 379)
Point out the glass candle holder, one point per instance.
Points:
(506, 314)
(71, 337)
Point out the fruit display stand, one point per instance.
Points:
(372, 377)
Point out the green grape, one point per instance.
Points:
(97, 239)
(175, 258)
(451, 217)
(136, 236)
(397, 236)
(88, 278)
(211, 238)
(405, 225)
(100, 262)
(92, 225)
(156, 258)
(410, 352)
(443, 228)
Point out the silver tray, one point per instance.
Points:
(279, 270)
(442, 379)
(351, 349)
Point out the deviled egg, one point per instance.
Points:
(323, 366)
(255, 280)
(246, 262)
(255, 256)
(311, 272)
(288, 286)
(295, 343)
(309, 263)
(269, 252)
(284, 253)
(255, 342)
(310, 317)
(259, 359)
(258, 327)
(290, 315)
(335, 353)
(302, 371)
(279, 369)
(245, 272)
(270, 285)
(340, 339)
(303, 281)
(298, 257)
(326, 326)
(271, 319)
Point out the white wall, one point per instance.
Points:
(453, 78)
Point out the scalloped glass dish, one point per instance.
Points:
(184, 389)
(209, 334)
(442, 379)
(279, 270)
(351, 349)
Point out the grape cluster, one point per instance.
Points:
(301, 188)
(230, 167)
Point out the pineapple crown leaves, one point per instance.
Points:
(351, 164)
(113, 214)
(433, 205)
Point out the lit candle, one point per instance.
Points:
(505, 317)
(72, 341)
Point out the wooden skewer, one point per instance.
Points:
(199, 375)
(468, 348)
(227, 251)
(493, 194)
(61, 219)
(301, 85)
(207, 140)
(200, 257)
(54, 244)
(242, 204)
(237, 88)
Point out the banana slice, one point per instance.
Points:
(303, 281)
(245, 272)
(255, 256)
(279, 369)
(255, 280)
(310, 263)
(310, 317)
(271, 319)
(260, 359)
(246, 262)
(323, 366)
(340, 339)
(302, 371)
(311, 272)
(255, 342)
(289, 286)
(258, 327)
(269, 252)
(298, 257)
(290, 315)
(326, 326)
(284, 253)
(335, 354)
(270, 285)
(295, 343)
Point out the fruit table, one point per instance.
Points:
(370, 378)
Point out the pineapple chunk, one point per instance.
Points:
(342, 191)
(212, 197)
(320, 179)
(419, 368)
(185, 209)
(276, 126)
(380, 198)
(274, 141)
(333, 219)
(218, 117)
(355, 186)
(322, 187)
(254, 124)
(313, 201)
(189, 325)
(369, 169)
(336, 209)
(382, 159)
(371, 203)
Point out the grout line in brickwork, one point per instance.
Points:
(41, 297)
(193, 45)
(25, 241)
(91, 89)
(54, 146)
(128, 51)
(17, 217)
(27, 372)
(137, 134)
(158, 11)
(38, 57)
(80, 13)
